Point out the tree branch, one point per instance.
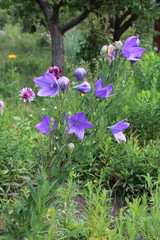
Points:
(46, 9)
(125, 14)
(126, 25)
(81, 17)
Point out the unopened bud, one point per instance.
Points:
(71, 146)
(118, 45)
(103, 51)
(51, 124)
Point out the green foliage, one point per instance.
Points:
(93, 41)
(30, 213)
(147, 72)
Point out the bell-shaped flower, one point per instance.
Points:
(84, 87)
(48, 84)
(47, 125)
(131, 49)
(63, 82)
(103, 92)
(78, 124)
(80, 73)
(117, 130)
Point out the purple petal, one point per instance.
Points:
(86, 125)
(45, 92)
(42, 81)
(118, 127)
(136, 50)
(84, 87)
(46, 120)
(80, 134)
(119, 136)
(130, 42)
(98, 85)
(42, 128)
(66, 117)
(80, 116)
(50, 77)
(104, 92)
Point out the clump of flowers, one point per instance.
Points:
(129, 50)
(108, 52)
(27, 94)
(56, 71)
(1, 106)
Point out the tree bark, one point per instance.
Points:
(57, 46)
(51, 13)
(120, 27)
(156, 39)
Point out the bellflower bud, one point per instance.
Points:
(51, 124)
(80, 73)
(63, 82)
(84, 87)
(103, 51)
(118, 45)
(71, 146)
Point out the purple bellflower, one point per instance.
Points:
(78, 124)
(131, 49)
(48, 84)
(80, 73)
(63, 82)
(47, 125)
(117, 130)
(84, 87)
(103, 92)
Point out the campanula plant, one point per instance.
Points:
(74, 122)
(113, 64)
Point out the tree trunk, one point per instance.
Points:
(156, 39)
(57, 46)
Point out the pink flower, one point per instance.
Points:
(1, 106)
(56, 71)
(27, 94)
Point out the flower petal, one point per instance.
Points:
(80, 134)
(119, 136)
(118, 127)
(130, 42)
(98, 85)
(42, 81)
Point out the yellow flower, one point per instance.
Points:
(95, 180)
(50, 212)
(82, 94)
(12, 56)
